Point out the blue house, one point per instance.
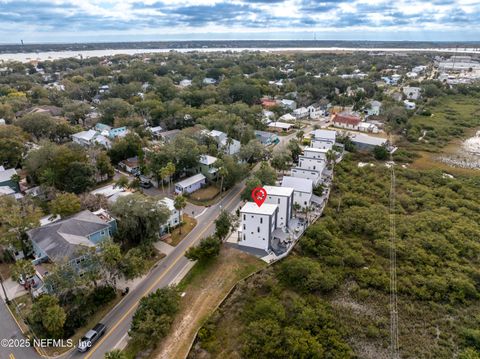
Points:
(266, 138)
(111, 132)
(65, 241)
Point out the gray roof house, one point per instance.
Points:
(63, 241)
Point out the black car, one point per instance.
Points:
(144, 184)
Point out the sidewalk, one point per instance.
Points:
(13, 289)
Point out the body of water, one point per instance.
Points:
(55, 55)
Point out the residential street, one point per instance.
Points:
(10, 330)
(163, 274)
(118, 320)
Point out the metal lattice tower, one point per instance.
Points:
(394, 352)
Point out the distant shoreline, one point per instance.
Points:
(56, 55)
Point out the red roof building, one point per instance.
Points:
(346, 121)
(268, 103)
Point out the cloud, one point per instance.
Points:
(59, 18)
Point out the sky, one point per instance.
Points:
(161, 20)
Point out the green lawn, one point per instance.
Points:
(179, 233)
(205, 196)
(451, 117)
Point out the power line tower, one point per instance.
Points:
(394, 350)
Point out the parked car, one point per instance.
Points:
(145, 184)
(91, 337)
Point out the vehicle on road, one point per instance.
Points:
(91, 337)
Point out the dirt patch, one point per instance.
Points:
(206, 289)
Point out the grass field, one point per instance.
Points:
(451, 118)
(205, 286)
(205, 196)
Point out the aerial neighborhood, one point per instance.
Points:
(121, 173)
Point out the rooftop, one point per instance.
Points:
(266, 208)
(347, 119)
(216, 133)
(169, 203)
(280, 125)
(191, 180)
(207, 160)
(313, 149)
(299, 184)
(368, 140)
(6, 175)
(278, 191)
(85, 135)
(325, 134)
(61, 240)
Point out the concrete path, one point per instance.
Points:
(13, 289)
(164, 247)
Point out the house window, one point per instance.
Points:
(258, 229)
(261, 220)
(279, 201)
(243, 237)
(244, 227)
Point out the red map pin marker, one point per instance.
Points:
(259, 195)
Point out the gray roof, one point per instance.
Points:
(62, 240)
(299, 184)
(191, 180)
(6, 175)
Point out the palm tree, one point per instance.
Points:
(296, 207)
(222, 172)
(170, 172)
(300, 134)
(228, 143)
(180, 203)
(163, 174)
(331, 157)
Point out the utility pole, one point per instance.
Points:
(394, 347)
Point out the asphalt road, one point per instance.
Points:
(118, 320)
(9, 330)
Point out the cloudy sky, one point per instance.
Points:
(130, 20)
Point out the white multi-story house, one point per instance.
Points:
(283, 197)
(303, 189)
(313, 112)
(310, 163)
(300, 112)
(314, 175)
(325, 135)
(323, 139)
(257, 225)
(228, 145)
(321, 144)
(174, 219)
(317, 153)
